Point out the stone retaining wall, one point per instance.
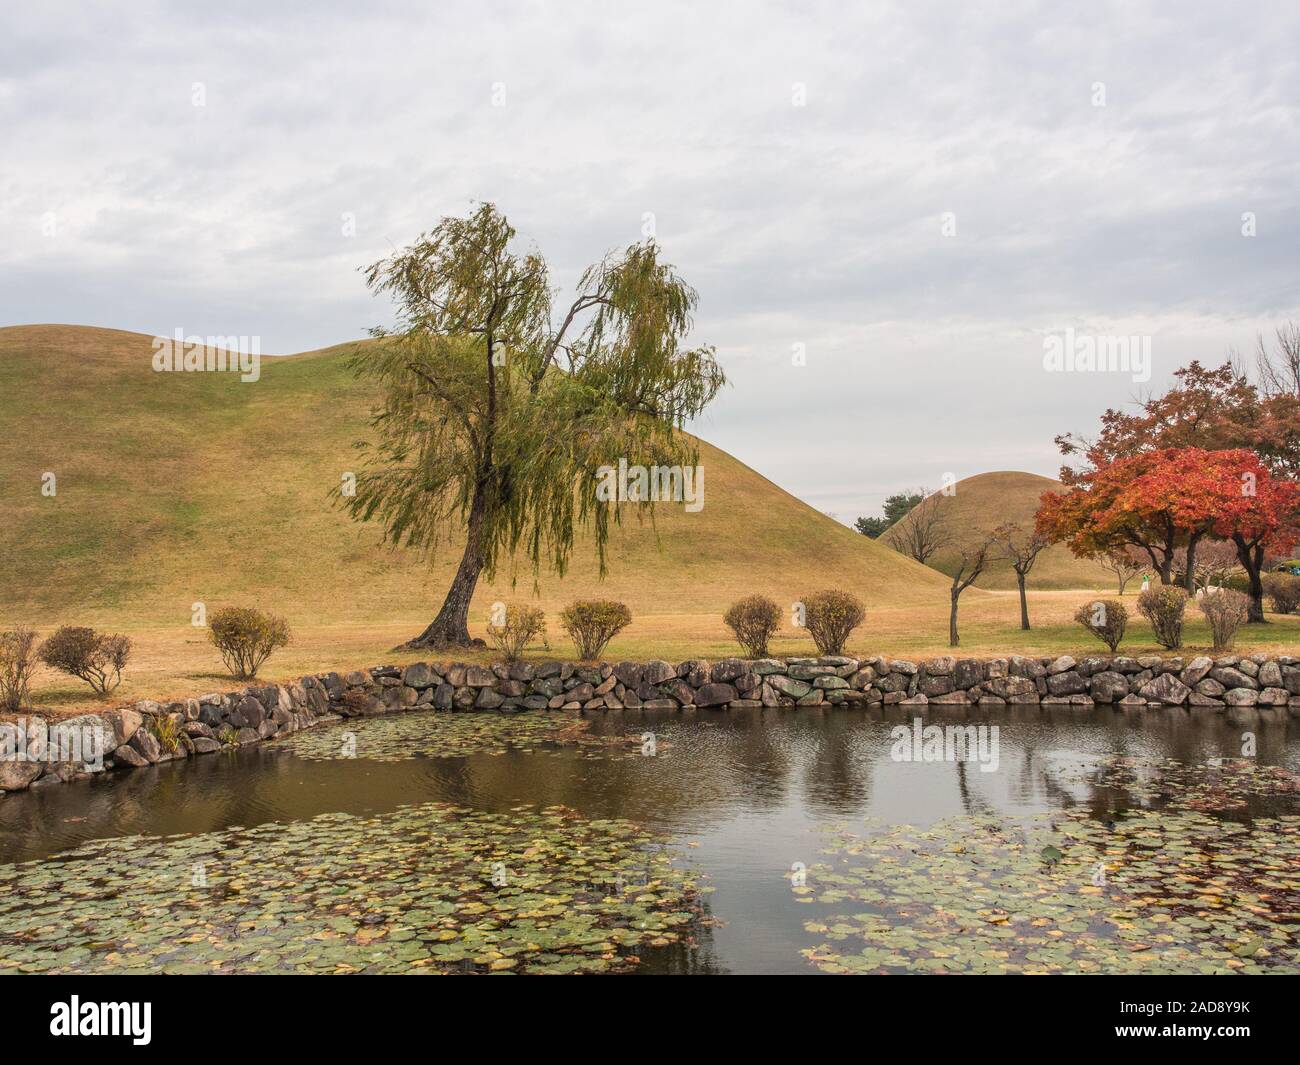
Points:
(130, 736)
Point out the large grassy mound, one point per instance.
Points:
(983, 502)
(174, 488)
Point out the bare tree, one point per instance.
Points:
(972, 561)
(1279, 370)
(922, 533)
(1125, 563)
(1021, 549)
(1215, 562)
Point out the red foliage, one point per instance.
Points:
(1215, 409)
(1159, 501)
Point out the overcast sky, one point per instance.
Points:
(917, 194)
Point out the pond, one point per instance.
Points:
(745, 841)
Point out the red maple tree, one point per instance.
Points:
(1170, 499)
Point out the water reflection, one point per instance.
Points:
(744, 788)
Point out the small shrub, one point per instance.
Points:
(1106, 619)
(17, 664)
(753, 620)
(1226, 611)
(246, 637)
(96, 658)
(521, 626)
(830, 617)
(1164, 606)
(1283, 591)
(592, 623)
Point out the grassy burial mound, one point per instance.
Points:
(175, 488)
(983, 502)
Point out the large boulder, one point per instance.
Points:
(727, 670)
(941, 666)
(679, 689)
(479, 677)
(715, 695)
(248, 713)
(1068, 682)
(1167, 689)
(1232, 678)
(488, 699)
(419, 675)
(657, 672)
(940, 684)
(1196, 670)
(17, 776)
(1108, 686)
(968, 672)
(146, 744)
(124, 722)
(892, 683)
(788, 686)
(1006, 687)
(628, 674)
(128, 755)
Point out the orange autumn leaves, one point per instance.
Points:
(1161, 500)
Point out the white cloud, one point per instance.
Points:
(817, 224)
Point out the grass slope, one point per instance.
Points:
(174, 488)
(177, 488)
(987, 500)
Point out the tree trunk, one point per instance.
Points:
(1252, 561)
(1189, 577)
(953, 639)
(451, 627)
(1024, 605)
(1166, 569)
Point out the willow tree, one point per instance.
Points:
(499, 406)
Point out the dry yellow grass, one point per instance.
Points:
(183, 488)
(177, 661)
(177, 488)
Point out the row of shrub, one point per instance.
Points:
(1165, 607)
(590, 623)
(244, 638)
(829, 616)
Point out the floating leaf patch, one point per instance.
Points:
(427, 888)
(1173, 888)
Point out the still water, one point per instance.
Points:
(750, 797)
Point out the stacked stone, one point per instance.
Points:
(130, 736)
(1229, 680)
